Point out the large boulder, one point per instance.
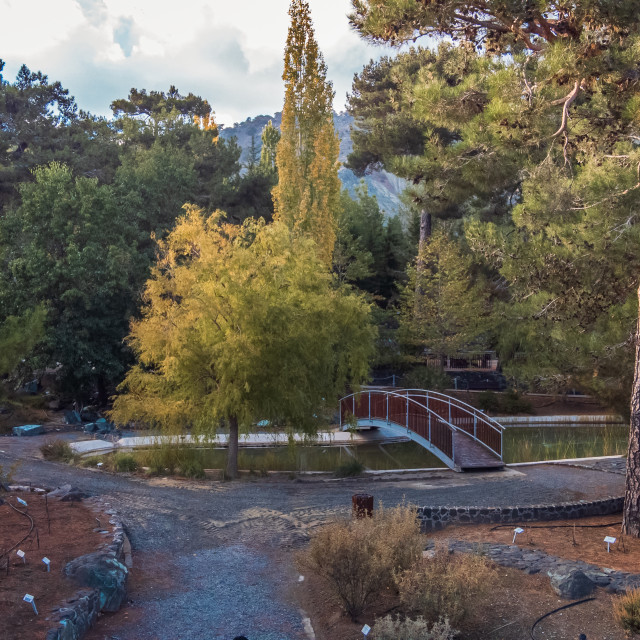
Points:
(571, 584)
(28, 430)
(100, 570)
(77, 617)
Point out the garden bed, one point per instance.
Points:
(72, 533)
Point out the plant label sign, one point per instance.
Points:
(609, 540)
(47, 562)
(21, 501)
(516, 531)
(365, 630)
(29, 598)
(20, 554)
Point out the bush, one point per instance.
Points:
(390, 628)
(488, 401)
(160, 460)
(56, 449)
(352, 468)
(124, 462)
(626, 610)
(514, 403)
(444, 585)
(424, 377)
(192, 469)
(6, 475)
(359, 558)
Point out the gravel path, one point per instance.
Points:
(214, 560)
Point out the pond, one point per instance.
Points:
(521, 444)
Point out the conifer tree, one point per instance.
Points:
(307, 195)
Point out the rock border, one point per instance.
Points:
(533, 561)
(78, 614)
(435, 518)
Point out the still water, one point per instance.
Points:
(521, 444)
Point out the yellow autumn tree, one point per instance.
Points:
(307, 195)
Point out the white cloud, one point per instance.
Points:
(228, 52)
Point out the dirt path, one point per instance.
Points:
(215, 560)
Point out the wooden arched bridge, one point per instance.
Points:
(460, 435)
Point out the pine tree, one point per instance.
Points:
(307, 195)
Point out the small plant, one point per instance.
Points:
(192, 469)
(513, 403)
(424, 377)
(444, 585)
(349, 469)
(488, 401)
(124, 462)
(6, 475)
(358, 558)
(626, 610)
(57, 449)
(390, 628)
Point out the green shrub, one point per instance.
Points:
(626, 610)
(488, 401)
(424, 377)
(390, 628)
(349, 469)
(513, 403)
(56, 449)
(444, 584)
(124, 462)
(160, 460)
(192, 469)
(6, 475)
(359, 558)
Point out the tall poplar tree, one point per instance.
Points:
(307, 195)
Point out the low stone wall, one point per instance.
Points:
(434, 518)
(105, 575)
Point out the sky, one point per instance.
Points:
(227, 51)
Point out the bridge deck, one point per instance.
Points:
(470, 454)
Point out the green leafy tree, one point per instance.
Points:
(18, 337)
(242, 323)
(68, 249)
(307, 196)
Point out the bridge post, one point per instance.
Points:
(353, 397)
(340, 413)
(369, 406)
(475, 426)
(430, 427)
(406, 424)
(449, 411)
(387, 408)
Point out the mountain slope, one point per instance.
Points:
(385, 186)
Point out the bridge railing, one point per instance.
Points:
(402, 410)
(412, 407)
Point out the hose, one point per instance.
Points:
(24, 513)
(546, 615)
(560, 526)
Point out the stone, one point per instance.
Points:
(101, 571)
(67, 493)
(72, 417)
(572, 584)
(76, 618)
(28, 430)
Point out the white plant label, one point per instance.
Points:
(609, 540)
(21, 501)
(20, 554)
(365, 630)
(47, 562)
(516, 531)
(29, 598)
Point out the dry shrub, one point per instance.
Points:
(626, 610)
(445, 584)
(359, 558)
(390, 628)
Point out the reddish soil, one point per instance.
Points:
(72, 535)
(517, 600)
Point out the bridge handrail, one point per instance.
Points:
(459, 404)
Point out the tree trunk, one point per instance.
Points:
(425, 229)
(631, 515)
(425, 234)
(232, 453)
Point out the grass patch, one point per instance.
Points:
(57, 449)
(626, 611)
(350, 469)
(124, 462)
(390, 628)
